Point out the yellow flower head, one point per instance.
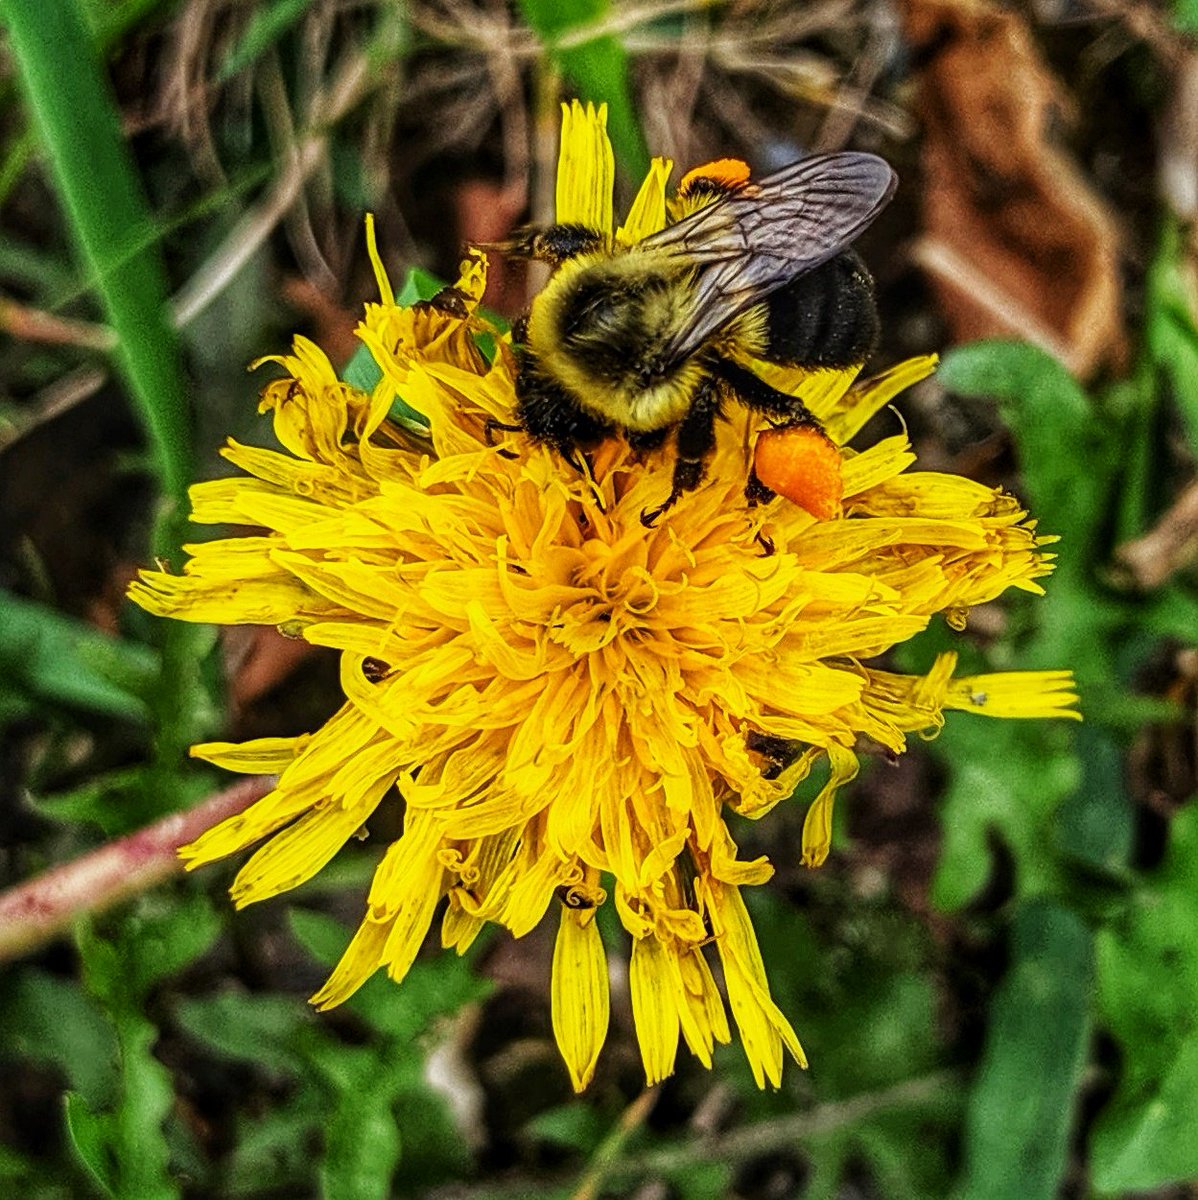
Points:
(567, 702)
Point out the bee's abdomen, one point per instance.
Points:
(826, 318)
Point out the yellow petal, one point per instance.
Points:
(817, 825)
(579, 994)
(701, 1012)
(764, 1031)
(863, 402)
(1019, 694)
(585, 168)
(265, 756)
(362, 957)
(648, 212)
(386, 294)
(656, 986)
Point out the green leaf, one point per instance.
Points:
(597, 67)
(1021, 1109)
(575, 1126)
(139, 1143)
(89, 1135)
(17, 155)
(1066, 460)
(1135, 403)
(186, 701)
(277, 1147)
(1147, 980)
(361, 1143)
(132, 1129)
(97, 801)
(1010, 778)
(266, 25)
(109, 20)
(1185, 15)
(362, 372)
(49, 1021)
(1095, 825)
(165, 941)
(1170, 612)
(418, 284)
(433, 987)
(76, 119)
(1171, 334)
(58, 659)
(703, 1181)
(261, 1029)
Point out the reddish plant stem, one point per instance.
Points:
(32, 913)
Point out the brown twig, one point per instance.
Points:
(52, 401)
(1173, 543)
(350, 84)
(35, 325)
(748, 1141)
(33, 912)
(609, 1150)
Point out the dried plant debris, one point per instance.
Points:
(1015, 239)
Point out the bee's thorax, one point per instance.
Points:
(601, 329)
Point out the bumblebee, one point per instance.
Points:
(651, 339)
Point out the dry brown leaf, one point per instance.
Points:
(1015, 240)
(1169, 546)
(487, 211)
(258, 659)
(333, 325)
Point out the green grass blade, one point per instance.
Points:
(263, 29)
(1171, 332)
(74, 116)
(58, 660)
(1021, 1111)
(597, 68)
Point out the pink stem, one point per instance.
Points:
(32, 913)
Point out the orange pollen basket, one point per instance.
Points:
(802, 464)
(728, 172)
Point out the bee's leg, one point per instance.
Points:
(643, 441)
(549, 414)
(492, 426)
(753, 391)
(755, 491)
(695, 442)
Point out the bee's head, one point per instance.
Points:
(553, 244)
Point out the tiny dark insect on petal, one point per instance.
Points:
(375, 670)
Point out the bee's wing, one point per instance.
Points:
(754, 241)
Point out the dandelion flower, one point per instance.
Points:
(567, 702)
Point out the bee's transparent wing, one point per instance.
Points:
(754, 241)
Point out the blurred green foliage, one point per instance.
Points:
(1076, 1069)
(1147, 973)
